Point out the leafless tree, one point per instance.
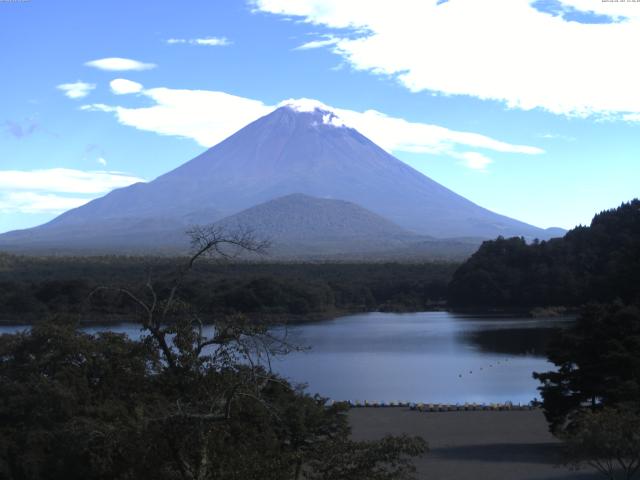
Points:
(178, 330)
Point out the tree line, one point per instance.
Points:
(598, 263)
(33, 288)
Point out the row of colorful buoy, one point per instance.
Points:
(358, 403)
(439, 407)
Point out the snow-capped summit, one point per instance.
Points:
(305, 105)
(326, 115)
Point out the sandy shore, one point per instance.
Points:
(478, 445)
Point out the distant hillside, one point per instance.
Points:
(300, 223)
(299, 227)
(596, 263)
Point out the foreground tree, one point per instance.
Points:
(607, 440)
(188, 401)
(598, 362)
(592, 401)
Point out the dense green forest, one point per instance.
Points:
(600, 263)
(32, 288)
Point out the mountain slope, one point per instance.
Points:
(291, 150)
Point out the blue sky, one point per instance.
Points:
(531, 109)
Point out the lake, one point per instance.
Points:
(431, 357)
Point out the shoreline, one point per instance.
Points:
(425, 407)
(301, 319)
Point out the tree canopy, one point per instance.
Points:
(598, 365)
(596, 263)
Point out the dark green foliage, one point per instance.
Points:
(607, 440)
(596, 263)
(178, 404)
(76, 406)
(69, 398)
(366, 460)
(32, 288)
(598, 362)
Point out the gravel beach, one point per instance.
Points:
(478, 445)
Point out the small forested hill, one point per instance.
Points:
(600, 262)
(301, 223)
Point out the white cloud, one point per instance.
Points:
(397, 134)
(102, 162)
(317, 44)
(618, 10)
(503, 50)
(117, 64)
(65, 180)
(77, 89)
(208, 41)
(32, 202)
(209, 117)
(122, 86)
(55, 190)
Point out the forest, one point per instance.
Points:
(32, 288)
(596, 263)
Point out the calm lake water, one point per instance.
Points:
(431, 357)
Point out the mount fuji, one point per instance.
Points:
(299, 148)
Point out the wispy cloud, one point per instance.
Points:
(33, 202)
(77, 89)
(208, 117)
(317, 44)
(557, 136)
(207, 41)
(501, 50)
(65, 180)
(102, 161)
(21, 129)
(117, 64)
(55, 190)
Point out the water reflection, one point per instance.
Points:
(422, 357)
(514, 341)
